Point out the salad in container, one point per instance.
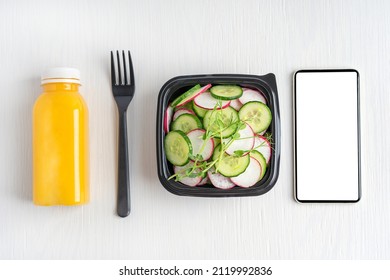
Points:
(218, 135)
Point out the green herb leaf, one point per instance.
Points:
(241, 126)
(236, 136)
(188, 171)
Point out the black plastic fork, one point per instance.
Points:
(123, 90)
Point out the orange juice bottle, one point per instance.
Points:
(60, 141)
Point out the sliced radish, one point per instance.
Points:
(194, 95)
(219, 181)
(182, 111)
(244, 143)
(196, 138)
(167, 118)
(262, 132)
(204, 181)
(263, 146)
(251, 95)
(250, 175)
(206, 101)
(236, 104)
(192, 182)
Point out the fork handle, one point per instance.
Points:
(123, 199)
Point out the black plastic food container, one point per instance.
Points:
(178, 85)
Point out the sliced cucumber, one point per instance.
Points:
(257, 115)
(217, 141)
(217, 152)
(221, 122)
(226, 92)
(185, 106)
(230, 166)
(188, 94)
(263, 163)
(250, 176)
(186, 123)
(200, 112)
(177, 148)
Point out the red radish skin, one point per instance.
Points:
(182, 111)
(245, 144)
(191, 182)
(195, 137)
(250, 176)
(204, 181)
(206, 101)
(219, 181)
(264, 147)
(167, 118)
(236, 104)
(251, 95)
(200, 91)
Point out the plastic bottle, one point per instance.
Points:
(60, 141)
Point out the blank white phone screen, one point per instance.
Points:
(326, 136)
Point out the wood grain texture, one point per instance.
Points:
(170, 38)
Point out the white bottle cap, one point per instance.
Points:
(61, 75)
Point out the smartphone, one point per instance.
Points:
(327, 136)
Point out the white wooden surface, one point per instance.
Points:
(170, 38)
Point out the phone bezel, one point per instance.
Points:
(295, 138)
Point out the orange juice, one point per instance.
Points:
(60, 141)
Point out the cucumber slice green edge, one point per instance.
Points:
(200, 112)
(177, 148)
(185, 95)
(230, 166)
(187, 106)
(263, 163)
(228, 114)
(257, 115)
(186, 123)
(226, 92)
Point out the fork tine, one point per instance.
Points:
(119, 68)
(126, 80)
(131, 70)
(113, 79)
